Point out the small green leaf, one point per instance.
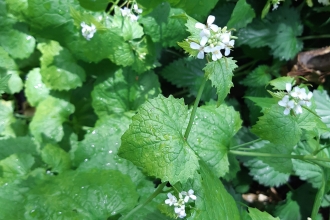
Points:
(212, 198)
(220, 73)
(16, 166)
(35, 89)
(4, 83)
(265, 10)
(187, 72)
(260, 76)
(95, 5)
(48, 118)
(211, 135)
(277, 127)
(57, 159)
(58, 67)
(6, 116)
(256, 214)
(241, 16)
(155, 142)
(123, 90)
(280, 83)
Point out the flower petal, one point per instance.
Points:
(214, 27)
(195, 46)
(200, 55)
(288, 87)
(210, 19)
(204, 41)
(200, 25)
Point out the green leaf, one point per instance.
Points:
(220, 73)
(4, 83)
(18, 145)
(212, 198)
(187, 72)
(289, 209)
(35, 89)
(158, 147)
(16, 166)
(95, 5)
(6, 116)
(279, 31)
(256, 214)
(96, 194)
(260, 76)
(265, 103)
(279, 83)
(122, 91)
(18, 44)
(283, 165)
(48, 118)
(211, 135)
(58, 67)
(164, 25)
(104, 138)
(241, 16)
(322, 109)
(57, 159)
(6, 61)
(278, 128)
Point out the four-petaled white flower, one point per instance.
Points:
(171, 199)
(199, 47)
(189, 194)
(180, 211)
(287, 103)
(216, 53)
(88, 31)
(298, 93)
(209, 26)
(137, 9)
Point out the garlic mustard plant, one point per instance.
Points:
(180, 205)
(88, 31)
(295, 99)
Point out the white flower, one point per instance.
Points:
(206, 28)
(180, 211)
(171, 199)
(189, 194)
(137, 9)
(288, 87)
(275, 4)
(216, 54)
(225, 42)
(307, 99)
(126, 12)
(324, 2)
(181, 202)
(288, 104)
(88, 31)
(298, 93)
(199, 47)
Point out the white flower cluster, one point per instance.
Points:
(127, 12)
(179, 205)
(324, 2)
(275, 3)
(295, 99)
(88, 31)
(213, 40)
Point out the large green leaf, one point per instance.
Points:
(123, 90)
(35, 89)
(58, 67)
(48, 118)
(93, 194)
(220, 73)
(242, 15)
(155, 142)
(277, 127)
(164, 25)
(187, 72)
(279, 31)
(211, 136)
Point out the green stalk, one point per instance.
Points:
(150, 198)
(315, 37)
(318, 198)
(193, 112)
(245, 144)
(299, 157)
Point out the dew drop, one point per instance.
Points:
(110, 151)
(86, 160)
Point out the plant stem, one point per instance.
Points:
(245, 144)
(150, 198)
(193, 112)
(318, 198)
(315, 37)
(113, 6)
(300, 157)
(319, 150)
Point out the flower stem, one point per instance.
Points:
(149, 199)
(299, 157)
(315, 37)
(245, 144)
(193, 112)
